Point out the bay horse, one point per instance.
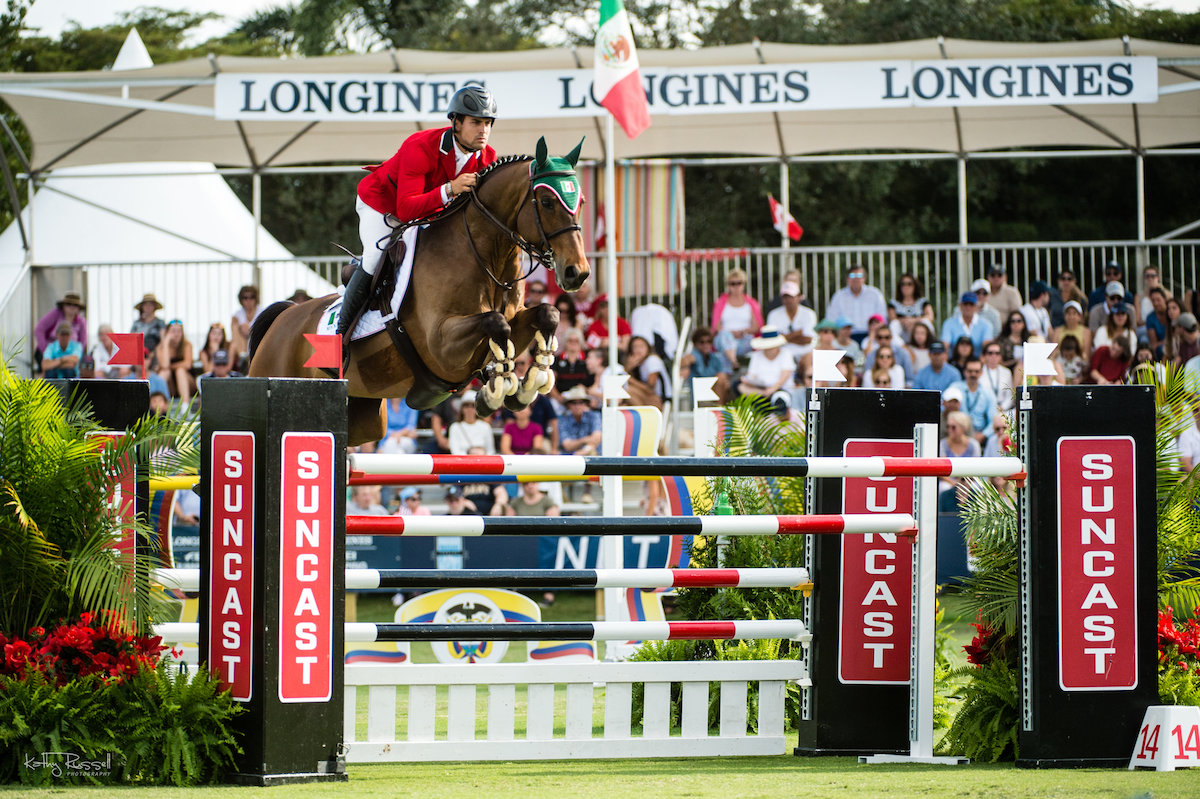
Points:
(462, 316)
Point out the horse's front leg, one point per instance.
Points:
(480, 341)
(536, 324)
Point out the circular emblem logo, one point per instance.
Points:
(467, 609)
(615, 49)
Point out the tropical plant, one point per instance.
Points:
(57, 529)
(748, 430)
(159, 726)
(986, 721)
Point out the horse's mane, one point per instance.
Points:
(482, 175)
(499, 162)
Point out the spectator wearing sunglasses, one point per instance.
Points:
(736, 318)
(857, 302)
(705, 360)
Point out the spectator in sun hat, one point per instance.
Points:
(1113, 296)
(469, 430)
(70, 310)
(770, 366)
(967, 322)
(982, 291)
(148, 323)
(579, 428)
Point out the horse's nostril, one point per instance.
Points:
(571, 273)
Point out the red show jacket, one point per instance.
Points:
(409, 184)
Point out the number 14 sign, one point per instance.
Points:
(1169, 738)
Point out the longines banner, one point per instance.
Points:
(717, 89)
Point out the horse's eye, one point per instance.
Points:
(547, 203)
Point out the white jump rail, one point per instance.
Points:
(454, 738)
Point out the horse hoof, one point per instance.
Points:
(513, 403)
(493, 392)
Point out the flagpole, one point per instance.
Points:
(610, 236)
(611, 546)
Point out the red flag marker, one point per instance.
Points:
(327, 352)
(783, 221)
(131, 349)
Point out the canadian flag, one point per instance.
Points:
(784, 222)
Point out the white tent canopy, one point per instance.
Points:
(81, 118)
(175, 230)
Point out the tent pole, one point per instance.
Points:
(1139, 160)
(964, 257)
(256, 203)
(785, 199)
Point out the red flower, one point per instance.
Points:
(16, 656)
(979, 651)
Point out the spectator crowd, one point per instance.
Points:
(973, 358)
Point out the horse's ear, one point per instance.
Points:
(573, 156)
(541, 152)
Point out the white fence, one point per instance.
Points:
(430, 737)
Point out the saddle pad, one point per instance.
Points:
(372, 321)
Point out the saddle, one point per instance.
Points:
(428, 389)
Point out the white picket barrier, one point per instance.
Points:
(532, 730)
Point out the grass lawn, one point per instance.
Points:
(719, 778)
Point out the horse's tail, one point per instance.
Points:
(258, 328)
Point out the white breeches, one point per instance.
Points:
(372, 228)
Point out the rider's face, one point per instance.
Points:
(472, 132)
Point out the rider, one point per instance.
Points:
(431, 168)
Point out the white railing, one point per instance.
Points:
(428, 738)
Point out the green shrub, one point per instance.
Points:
(760, 649)
(158, 727)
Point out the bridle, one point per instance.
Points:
(541, 253)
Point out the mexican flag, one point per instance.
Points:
(618, 83)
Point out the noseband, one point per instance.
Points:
(541, 253)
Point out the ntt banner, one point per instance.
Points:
(726, 89)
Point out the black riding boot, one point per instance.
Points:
(352, 301)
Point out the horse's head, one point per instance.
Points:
(556, 198)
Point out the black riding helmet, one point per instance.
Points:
(472, 101)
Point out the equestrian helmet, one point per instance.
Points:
(472, 101)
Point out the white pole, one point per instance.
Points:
(612, 547)
(924, 618)
(924, 609)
